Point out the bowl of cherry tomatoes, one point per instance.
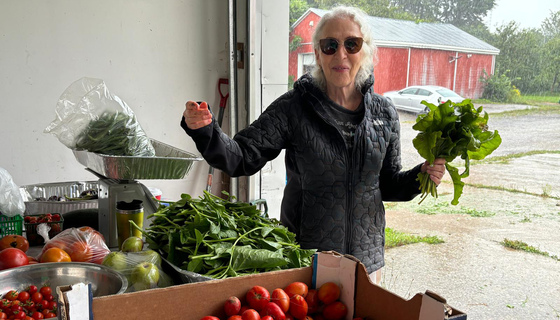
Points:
(34, 286)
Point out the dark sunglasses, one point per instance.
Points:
(329, 46)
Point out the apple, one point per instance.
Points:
(132, 244)
(145, 276)
(116, 260)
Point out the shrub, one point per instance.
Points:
(499, 88)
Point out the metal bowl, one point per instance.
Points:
(104, 280)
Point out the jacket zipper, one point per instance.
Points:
(349, 176)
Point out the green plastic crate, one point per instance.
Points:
(10, 225)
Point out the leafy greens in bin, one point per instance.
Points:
(219, 238)
(448, 131)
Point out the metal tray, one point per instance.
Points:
(181, 276)
(71, 189)
(169, 163)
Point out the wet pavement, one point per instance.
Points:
(472, 269)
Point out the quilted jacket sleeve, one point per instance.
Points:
(397, 185)
(250, 149)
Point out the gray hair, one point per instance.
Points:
(369, 58)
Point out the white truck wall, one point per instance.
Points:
(155, 55)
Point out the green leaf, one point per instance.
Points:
(457, 183)
(248, 258)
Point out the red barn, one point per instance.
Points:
(410, 53)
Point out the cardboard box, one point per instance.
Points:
(195, 300)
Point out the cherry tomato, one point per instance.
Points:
(55, 255)
(38, 315)
(53, 305)
(267, 318)
(297, 288)
(14, 241)
(50, 315)
(23, 296)
(210, 318)
(235, 317)
(3, 315)
(232, 306)
(12, 257)
(11, 295)
(32, 289)
(257, 297)
(329, 292)
(298, 306)
(335, 311)
(37, 297)
(46, 290)
(250, 314)
(19, 314)
(280, 297)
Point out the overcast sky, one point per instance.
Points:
(527, 13)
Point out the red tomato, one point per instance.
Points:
(210, 318)
(329, 292)
(38, 315)
(235, 317)
(14, 241)
(232, 306)
(20, 314)
(335, 311)
(274, 310)
(32, 289)
(280, 297)
(11, 295)
(257, 297)
(312, 300)
(37, 297)
(50, 315)
(250, 314)
(79, 251)
(267, 318)
(23, 296)
(289, 317)
(46, 290)
(298, 306)
(3, 315)
(297, 288)
(52, 305)
(12, 257)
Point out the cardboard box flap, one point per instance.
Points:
(340, 269)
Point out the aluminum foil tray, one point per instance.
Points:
(71, 189)
(169, 163)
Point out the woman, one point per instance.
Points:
(342, 146)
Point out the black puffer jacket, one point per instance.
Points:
(333, 200)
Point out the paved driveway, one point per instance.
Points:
(472, 270)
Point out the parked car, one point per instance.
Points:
(410, 98)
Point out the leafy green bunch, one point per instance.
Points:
(219, 238)
(453, 130)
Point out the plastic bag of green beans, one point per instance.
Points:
(89, 117)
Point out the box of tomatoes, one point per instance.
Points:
(335, 287)
(54, 221)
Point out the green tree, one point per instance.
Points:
(520, 52)
(297, 9)
(551, 26)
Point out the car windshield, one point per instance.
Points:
(447, 93)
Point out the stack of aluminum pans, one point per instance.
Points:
(35, 197)
(169, 163)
